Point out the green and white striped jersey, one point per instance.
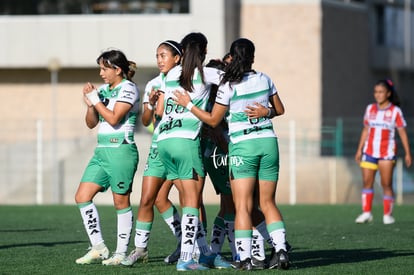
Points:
(155, 84)
(254, 87)
(123, 132)
(177, 121)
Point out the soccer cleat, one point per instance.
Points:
(137, 254)
(242, 265)
(289, 248)
(94, 256)
(279, 260)
(190, 265)
(116, 259)
(257, 263)
(364, 217)
(173, 257)
(388, 219)
(283, 260)
(207, 260)
(213, 261)
(220, 262)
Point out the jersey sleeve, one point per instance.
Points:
(272, 86)
(366, 115)
(212, 75)
(147, 91)
(129, 93)
(224, 94)
(154, 83)
(399, 119)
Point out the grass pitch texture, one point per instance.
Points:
(325, 240)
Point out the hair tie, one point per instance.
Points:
(174, 46)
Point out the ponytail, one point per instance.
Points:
(194, 46)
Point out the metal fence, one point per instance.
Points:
(41, 163)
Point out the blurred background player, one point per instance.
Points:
(377, 148)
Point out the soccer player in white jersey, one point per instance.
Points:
(179, 147)
(114, 106)
(250, 164)
(155, 188)
(377, 148)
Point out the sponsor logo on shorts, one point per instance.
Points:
(219, 160)
(236, 161)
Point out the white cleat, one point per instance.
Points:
(388, 219)
(115, 259)
(94, 256)
(135, 255)
(364, 218)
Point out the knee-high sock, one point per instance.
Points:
(90, 218)
(262, 228)
(258, 249)
(243, 244)
(229, 225)
(173, 220)
(189, 227)
(218, 234)
(367, 198)
(142, 234)
(125, 218)
(201, 239)
(277, 232)
(388, 202)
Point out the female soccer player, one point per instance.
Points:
(179, 147)
(155, 188)
(114, 107)
(377, 148)
(240, 87)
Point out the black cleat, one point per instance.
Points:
(257, 264)
(242, 265)
(280, 260)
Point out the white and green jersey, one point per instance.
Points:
(155, 84)
(177, 121)
(254, 87)
(123, 132)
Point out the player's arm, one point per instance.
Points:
(277, 105)
(116, 115)
(160, 104)
(212, 119)
(113, 117)
(91, 116)
(364, 135)
(406, 145)
(258, 110)
(149, 108)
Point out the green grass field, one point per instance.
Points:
(325, 240)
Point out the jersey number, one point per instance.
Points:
(170, 107)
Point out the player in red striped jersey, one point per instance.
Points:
(377, 148)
